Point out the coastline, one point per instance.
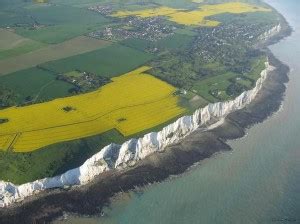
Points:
(156, 167)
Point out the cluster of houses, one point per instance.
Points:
(151, 29)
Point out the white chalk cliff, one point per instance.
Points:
(270, 33)
(116, 156)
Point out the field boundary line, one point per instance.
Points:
(15, 139)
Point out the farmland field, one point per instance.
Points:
(12, 44)
(56, 23)
(10, 40)
(132, 103)
(53, 159)
(56, 34)
(72, 47)
(194, 17)
(109, 61)
(218, 83)
(35, 84)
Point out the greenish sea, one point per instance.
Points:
(257, 182)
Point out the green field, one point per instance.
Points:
(62, 23)
(257, 66)
(176, 41)
(222, 81)
(73, 74)
(186, 31)
(20, 49)
(10, 40)
(56, 23)
(58, 33)
(36, 84)
(138, 44)
(264, 18)
(52, 160)
(12, 44)
(219, 82)
(110, 61)
(9, 18)
(75, 46)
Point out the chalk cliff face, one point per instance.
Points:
(270, 33)
(116, 156)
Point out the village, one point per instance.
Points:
(151, 29)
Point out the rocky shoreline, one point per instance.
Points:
(90, 198)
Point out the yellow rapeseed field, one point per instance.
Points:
(195, 17)
(159, 11)
(133, 102)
